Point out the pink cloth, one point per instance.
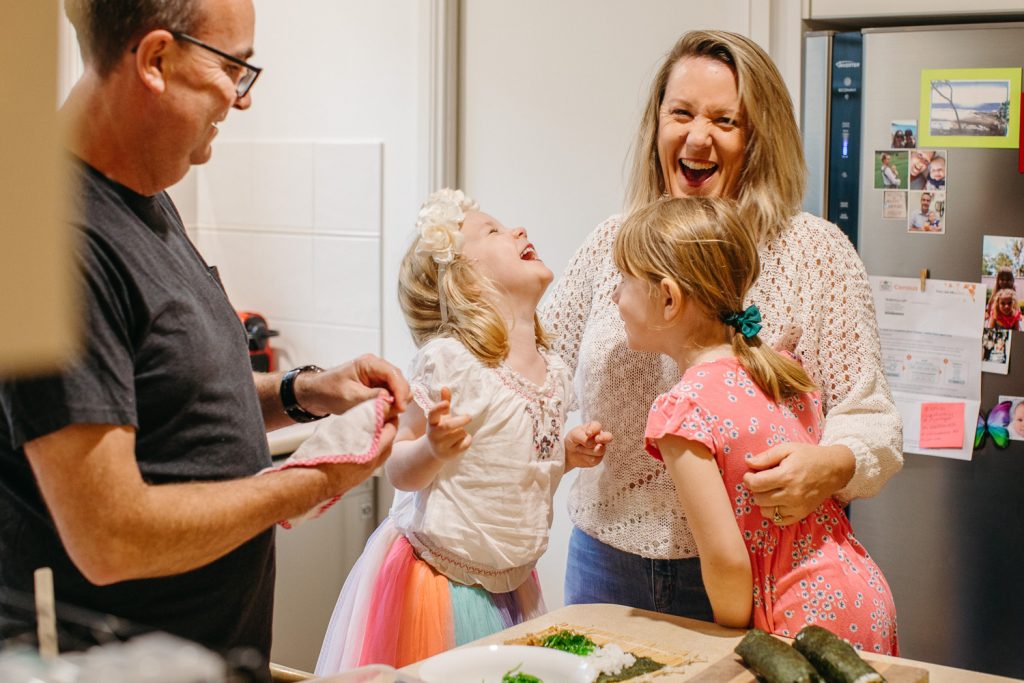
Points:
(352, 437)
(810, 572)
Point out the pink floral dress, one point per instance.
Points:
(811, 572)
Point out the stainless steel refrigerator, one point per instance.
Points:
(948, 534)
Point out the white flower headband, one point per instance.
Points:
(438, 226)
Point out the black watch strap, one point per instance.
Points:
(288, 400)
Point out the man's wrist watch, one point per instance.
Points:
(288, 400)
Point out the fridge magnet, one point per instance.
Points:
(919, 169)
(995, 351)
(927, 213)
(891, 169)
(1002, 267)
(1016, 426)
(904, 133)
(995, 424)
(970, 108)
(894, 204)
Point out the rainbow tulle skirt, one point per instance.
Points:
(396, 609)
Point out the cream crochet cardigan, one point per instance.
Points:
(811, 280)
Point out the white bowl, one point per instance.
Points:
(488, 663)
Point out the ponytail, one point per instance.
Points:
(776, 375)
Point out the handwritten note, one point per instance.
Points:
(894, 204)
(942, 425)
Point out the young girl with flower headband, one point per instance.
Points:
(686, 266)
(478, 456)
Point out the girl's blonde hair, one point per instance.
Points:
(771, 186)
(1005, 293)
(701, 244)
(473, 316)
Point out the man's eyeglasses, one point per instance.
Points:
(249, 72)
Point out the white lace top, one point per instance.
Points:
(812, 281)
(485, 517)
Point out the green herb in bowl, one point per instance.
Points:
(517, 676)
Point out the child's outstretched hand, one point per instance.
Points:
(446, 433)
(585, 445)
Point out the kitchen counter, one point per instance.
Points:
(285, 440)
(672, 634)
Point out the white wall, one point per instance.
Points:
(310, 193)
(551, 94)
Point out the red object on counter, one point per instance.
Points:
(261, 353)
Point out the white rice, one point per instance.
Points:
(610, 659)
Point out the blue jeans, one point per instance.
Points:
(599, 573)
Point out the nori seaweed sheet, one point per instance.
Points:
(642, 665)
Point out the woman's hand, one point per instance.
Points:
(585, 445)
(446, 433)
(791, 480)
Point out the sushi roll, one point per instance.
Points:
(833, 657)
(774, 661)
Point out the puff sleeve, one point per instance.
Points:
(681, 416)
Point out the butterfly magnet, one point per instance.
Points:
(996, 424)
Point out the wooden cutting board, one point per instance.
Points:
(730, 669)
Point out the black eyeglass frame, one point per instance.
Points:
(244, 85)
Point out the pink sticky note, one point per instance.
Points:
(942, 425)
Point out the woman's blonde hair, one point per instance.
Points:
(771, 185)
(701, 244)
(473, 316)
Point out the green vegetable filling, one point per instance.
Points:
(573, 643)
(578, 644)
(517, 676)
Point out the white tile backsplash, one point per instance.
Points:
(224, 192)
(294, 229)
(347, 187)
(282, 185)
(346, 281)
(325, 345)
(184, 196)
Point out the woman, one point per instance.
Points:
(719, 122)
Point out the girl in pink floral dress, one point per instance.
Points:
(686, 266)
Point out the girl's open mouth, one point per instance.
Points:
(528, 253)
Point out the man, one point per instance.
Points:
(919, 221)
(130, 472)
(890, 176)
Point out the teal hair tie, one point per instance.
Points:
(747, 323)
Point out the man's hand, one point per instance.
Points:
(585, 445)
(792, 479)
(344, 477)
(344, 386)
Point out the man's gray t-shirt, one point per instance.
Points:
(164, 352)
